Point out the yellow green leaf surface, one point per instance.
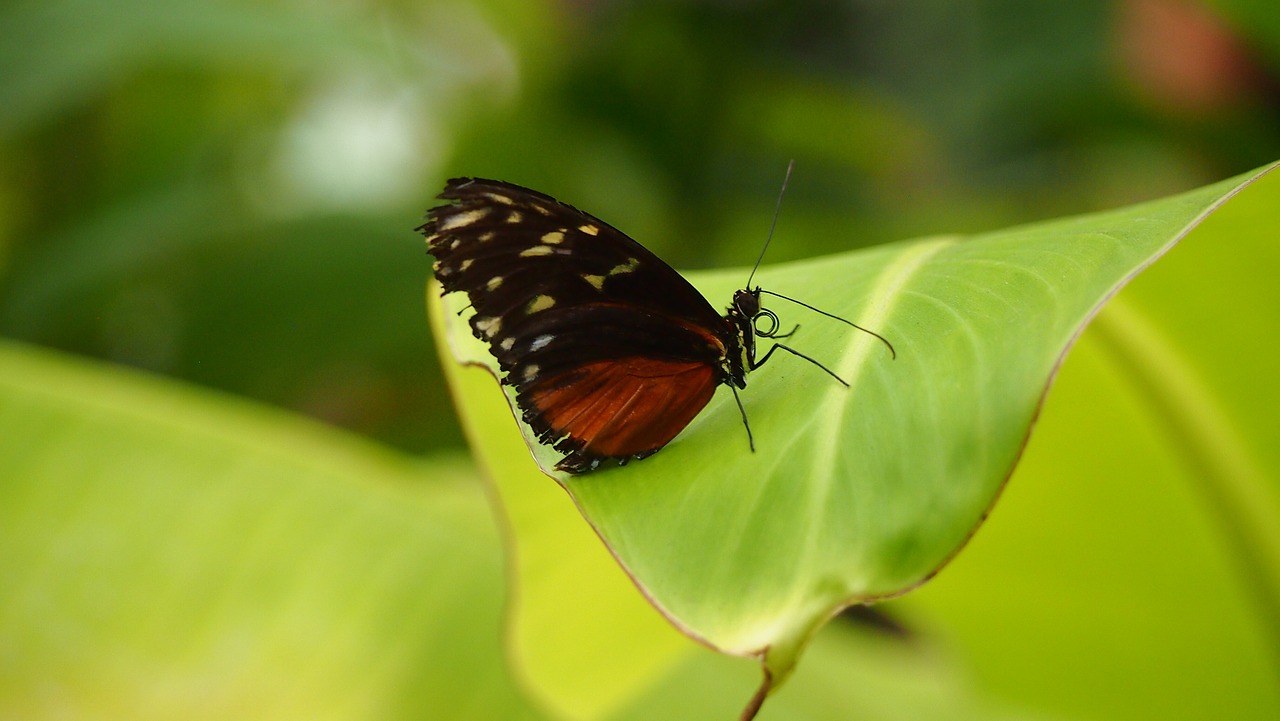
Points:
(862, 493)
(167, 552)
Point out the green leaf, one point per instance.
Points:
(55, 54)
(169, 553)
(863, 493)
(1132, 569)
(588, 647)
(574, 608)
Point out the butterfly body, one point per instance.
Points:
(610, 351)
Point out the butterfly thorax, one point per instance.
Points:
(741, 353)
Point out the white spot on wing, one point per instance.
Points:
(536, 250)
(540, 342)
(540, 303)
(626, 267)
(461, 220)
(489, 326)
(530, 372)
(555, 237)
(494, 282)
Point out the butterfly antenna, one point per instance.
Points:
(842, 320)
(776, 210)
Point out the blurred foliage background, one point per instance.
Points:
(224, 191)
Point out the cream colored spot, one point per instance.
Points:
(461, 220)
(432, 238)
(597, 281)
(555, 237)
(455, 244)
(542, 302)
(626, 267)
(465, 264)
(589, 229)
(536, 250)
(487, 235)
(489, 326)
(541, 342)
(515, 217)
(500, 198)
(530, 372)
(507, 343)
(542, 209)
(494, 282)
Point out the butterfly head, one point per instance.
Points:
(759, 321)
(747, 302)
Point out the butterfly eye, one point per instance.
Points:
(771, 318)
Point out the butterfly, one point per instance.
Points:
(610, 351)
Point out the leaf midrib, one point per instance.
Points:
(885, 296)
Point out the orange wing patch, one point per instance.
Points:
(626, 406)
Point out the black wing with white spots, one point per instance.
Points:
(568, 304)
(508, 245)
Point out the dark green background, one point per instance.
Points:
(225, 192)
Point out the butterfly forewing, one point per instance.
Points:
(611, 351)
(537, 246)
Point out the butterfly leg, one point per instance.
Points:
(751, 441)
(757, 363)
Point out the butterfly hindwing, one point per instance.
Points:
(619, 409)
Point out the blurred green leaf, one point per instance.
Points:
(173, 554)
(60, 53)
(752, 553)
(56, 54)
(1256, 20)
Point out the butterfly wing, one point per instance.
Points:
(610, 350)
(603, 381)
(516, 244)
